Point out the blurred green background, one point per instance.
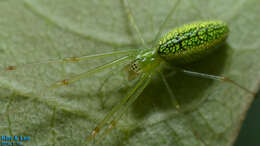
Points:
(249, 133)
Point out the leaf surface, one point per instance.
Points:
(34, 30)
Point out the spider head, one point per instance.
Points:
(144, 62)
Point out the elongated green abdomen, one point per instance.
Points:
(193, 41)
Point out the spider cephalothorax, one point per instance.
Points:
(144, 62)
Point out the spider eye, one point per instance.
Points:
(134, 67)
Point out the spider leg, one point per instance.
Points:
(217, 78)
(120, 108)
(167, 18)
(133, 23)
(85, 74)
(146, 78)
(68, 59)
(173, 98)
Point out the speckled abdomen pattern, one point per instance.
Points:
(193, 41)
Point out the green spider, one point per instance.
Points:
(182, 45)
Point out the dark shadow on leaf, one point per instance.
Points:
(187, 89)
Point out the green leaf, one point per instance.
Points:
(35, 30)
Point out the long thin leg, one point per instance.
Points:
(76, 78)
(87, 74)
(176, 104)
(116, 108)
(173, 98)
(71, 59)
(132, 22)
(165, 21)
(218, 78)
(135, 95)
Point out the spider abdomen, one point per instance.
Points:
(193, 41)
